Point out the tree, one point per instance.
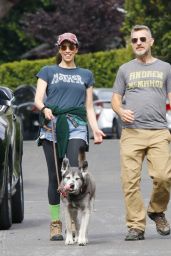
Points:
(6, 5)
(30, 28)
(95, 22)
(157, 15)
(13, 40)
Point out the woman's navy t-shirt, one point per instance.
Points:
(66, 87)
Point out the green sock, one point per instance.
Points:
(54, 211)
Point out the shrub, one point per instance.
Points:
(104, 65)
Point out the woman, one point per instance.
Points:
(68, 90)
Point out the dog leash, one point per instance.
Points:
(55, 154)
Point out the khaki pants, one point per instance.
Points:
(135, 145)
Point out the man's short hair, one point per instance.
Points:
(140, 27)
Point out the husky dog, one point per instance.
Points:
(77, 192)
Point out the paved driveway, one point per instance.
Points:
(107, 225)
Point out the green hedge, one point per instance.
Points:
(104, 65)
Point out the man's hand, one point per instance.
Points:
(127, 116)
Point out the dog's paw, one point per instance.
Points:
(69, 240)
(75, 238)
(82, 241)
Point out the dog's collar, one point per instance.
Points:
(66, 193)
(79, 196)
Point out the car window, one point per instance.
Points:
(95, 96)
(105, 95)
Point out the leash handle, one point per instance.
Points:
(55, 153)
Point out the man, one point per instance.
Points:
(145, 82)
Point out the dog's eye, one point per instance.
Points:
(77, 178)
(67, 177)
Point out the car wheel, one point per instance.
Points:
(5, 207)
(18, 201)
(117, 127)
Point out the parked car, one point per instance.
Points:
(168, 115)
(26, 109)
(108, 121)
(11, 150)
(102, 93)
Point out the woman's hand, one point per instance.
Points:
(48, 114)
(98, 136)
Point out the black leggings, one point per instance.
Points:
(73, 148)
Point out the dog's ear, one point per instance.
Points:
(65, 165)
(85, 165)
(81, 157)
(84, 168)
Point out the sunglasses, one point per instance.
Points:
(71, 47)
(143, 39)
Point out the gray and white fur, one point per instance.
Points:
(79, 188)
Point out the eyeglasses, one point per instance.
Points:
(71, 47)
(143, 39)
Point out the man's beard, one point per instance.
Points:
(142, 53)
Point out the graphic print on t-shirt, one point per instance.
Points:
(146, 79)
(66, 78)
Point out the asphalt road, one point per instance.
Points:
(107, 225)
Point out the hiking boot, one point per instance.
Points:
(134, 234)
(162, 225)
(56, 231)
